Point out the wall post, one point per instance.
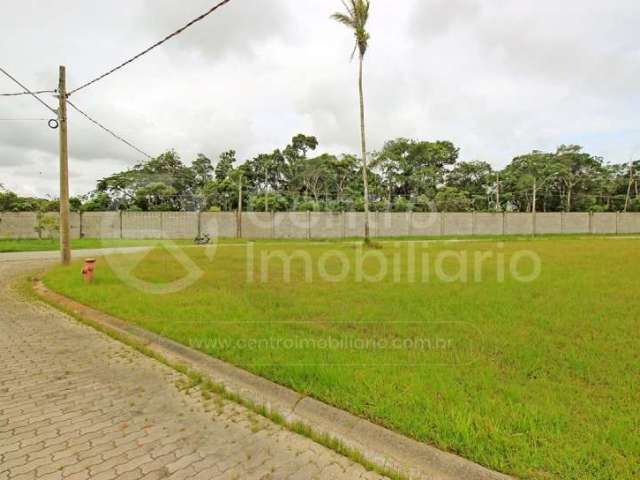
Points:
(273, 224)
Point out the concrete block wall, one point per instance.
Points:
(75, 221)
(219, 225)
(391, 224)
(22, 225)
(326, 225)
(427, 224)
(179, 225)
(576, 223)
(302, 225)
(104, 225)
(293, 225)
(548, 223)
(518, 224)
(628, 223)
(604, 223)
(257, 225)
(353, 224)
(458, 224)
(488, 224)
(18, 225)
(141, 225)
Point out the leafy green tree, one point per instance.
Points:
(224, 167)
(356, 18)
(346, 175)
(299, 147)
(578, 171)
(633, 173)
(450, 199)
(411, 167)
(269, 202)
(75, 203)
(526, 175)
(222, 194)
(317, 175)
(156, 196)
(141, 186)
(8, 201)
(202, 171)
(295, 157)
(98, 202)
(476, 178)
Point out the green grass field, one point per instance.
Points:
(536, 378)
(34, 245)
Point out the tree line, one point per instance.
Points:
(404, 175)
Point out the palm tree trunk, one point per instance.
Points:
(364, 153)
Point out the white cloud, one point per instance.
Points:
(496, 77)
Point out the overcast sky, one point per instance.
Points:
(497, 77)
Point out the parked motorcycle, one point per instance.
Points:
(202, 240)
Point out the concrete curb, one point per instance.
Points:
(392, 451)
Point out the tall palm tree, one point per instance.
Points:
(355, 18)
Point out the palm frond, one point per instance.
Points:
(356, 19)
(351, 9)
(344, 19)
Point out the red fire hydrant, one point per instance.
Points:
(87, 270)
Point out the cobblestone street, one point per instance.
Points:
(75, 404)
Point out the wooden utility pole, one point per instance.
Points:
(65, 226)
(498, 192)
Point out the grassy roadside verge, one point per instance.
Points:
(34, 245)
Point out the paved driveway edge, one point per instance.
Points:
(387, 450)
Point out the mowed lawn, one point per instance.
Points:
(537, 376)
(43, 245)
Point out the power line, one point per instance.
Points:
(157, 44)
(29, 92)
(23, 119)
(37, 92)
(110, 132)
